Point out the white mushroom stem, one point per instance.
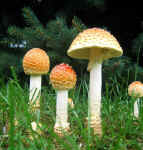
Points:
(62, 110)
(95, 68)
(35, 93)
(35, 90)
(136, 108)
(95, 90)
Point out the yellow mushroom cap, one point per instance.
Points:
(94, 38)
(36, 62)
(63, 77)
(135, 89)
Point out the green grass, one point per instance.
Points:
(121, 131)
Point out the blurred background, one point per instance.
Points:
(52, 25)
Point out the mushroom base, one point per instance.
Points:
(62, 130)
(35, 128)
(96, 125)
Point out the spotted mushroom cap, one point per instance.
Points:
(94, 38)
(36, 62)
(135, 89)
(63, 77)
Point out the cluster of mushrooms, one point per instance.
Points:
(94, 44)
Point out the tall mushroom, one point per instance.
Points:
(62, 78)
(135, 90)
(96, 45)
(35, 63)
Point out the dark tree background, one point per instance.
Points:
(123, 20)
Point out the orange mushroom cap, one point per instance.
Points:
(135, 89)
(63, 77)
(36, 62)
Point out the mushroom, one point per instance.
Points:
(96, 45)
(62, 78)
(135, 90)
(70, 102)
(35, 63)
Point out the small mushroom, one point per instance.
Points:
(35, 63)
(62, 78)
(135, 90)
(70, 102)
(96, 45)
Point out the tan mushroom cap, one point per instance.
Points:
(135, 89)
(63, 77)
(36, 62)
(94, 38)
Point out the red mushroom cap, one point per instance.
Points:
(63, 77)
